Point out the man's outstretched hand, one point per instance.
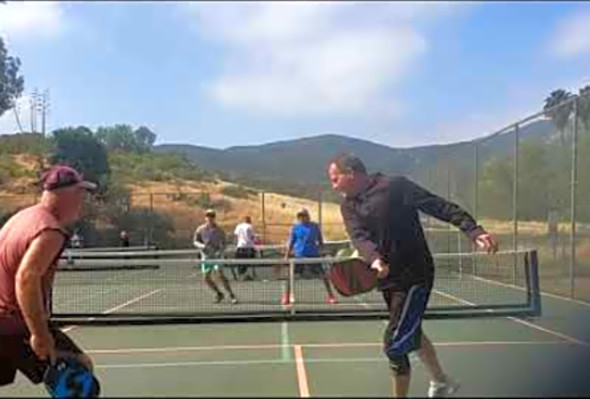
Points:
(488, 242)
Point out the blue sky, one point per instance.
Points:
(225, 74)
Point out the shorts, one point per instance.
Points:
(245, 253)
(16, 354)
(310, 270)
(406, 310)
(207, 267)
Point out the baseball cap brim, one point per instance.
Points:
(87, 185)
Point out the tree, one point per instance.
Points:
(79, 148)
(560, 115)
(117, 138)
(145, 138)
(584, 107)
(123, 138)
(11, 82)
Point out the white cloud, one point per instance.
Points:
(31, 18)
(572, 36)
(313, 57)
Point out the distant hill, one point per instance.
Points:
(303, 161)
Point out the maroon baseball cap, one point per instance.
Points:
(61, 176)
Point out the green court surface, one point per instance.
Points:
(490, 357)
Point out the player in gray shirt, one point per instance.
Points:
(210, 239)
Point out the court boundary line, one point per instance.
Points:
(525, 323)
(233, 363)
(376, 359)
(118, 307)
(302, 381)
(547, 294)
(312, 345)
(285, 352)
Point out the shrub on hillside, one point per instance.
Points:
(237, 191)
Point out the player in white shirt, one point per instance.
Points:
(246, 248)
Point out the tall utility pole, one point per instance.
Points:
(39, 104)
(33, 109)
(44, 109)
(15, 110)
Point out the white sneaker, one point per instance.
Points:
(443, 389)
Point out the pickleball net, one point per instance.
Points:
(160, 286)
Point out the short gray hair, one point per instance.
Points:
(349, 163)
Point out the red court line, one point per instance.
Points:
(301, 373)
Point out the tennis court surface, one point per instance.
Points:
(290, 357)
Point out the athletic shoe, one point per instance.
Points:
(331, 300)
(285, 299)
(442, 389)
(219, 297)
(234, 300)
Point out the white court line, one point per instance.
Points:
(301, 373)
(547, 294)
(310, 345)
(118, 307)
(303, 392)
(523, 322)
(233, 363)
(132, 301)
(285, 352)
(85, 297)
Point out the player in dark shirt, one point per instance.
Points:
(381, 218)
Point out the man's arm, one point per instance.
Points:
(29, 293)
(447, 211)
(359, 234)
(439, 208)
(361, 240)
(223, 239)
(198, 239)
(250, 233)
(320, 238)
(290, 242)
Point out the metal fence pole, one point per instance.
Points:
(573, 194)
(476, 181)
(515, 200)
(450, 227)
(263, 211)
(320, 209)
(475, 200)
(150, 220)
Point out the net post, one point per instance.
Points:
(533, 291)
(292, 285)
(459, 251)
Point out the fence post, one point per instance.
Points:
(320, 210)
(263, 211)
(573, 199)
(475, 200)
(515, 200)
(151, 219)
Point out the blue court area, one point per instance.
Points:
(490, 357)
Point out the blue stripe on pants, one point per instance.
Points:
(403, 340)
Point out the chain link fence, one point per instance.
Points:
(528, 183)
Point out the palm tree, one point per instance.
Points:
(584, 106)
(560, 115)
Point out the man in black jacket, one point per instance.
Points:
(382, 221)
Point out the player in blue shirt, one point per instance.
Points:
(306, 241)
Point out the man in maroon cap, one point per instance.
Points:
(31, 243)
